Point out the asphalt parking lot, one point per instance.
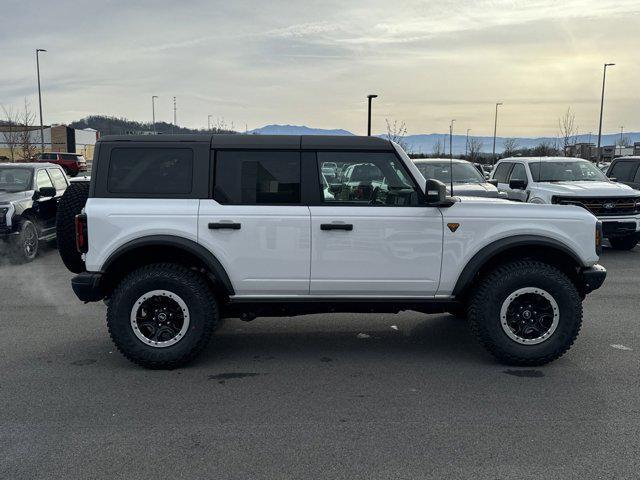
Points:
(407, 396)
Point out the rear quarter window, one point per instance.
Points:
(154, 171)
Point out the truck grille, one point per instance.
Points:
(603, 206)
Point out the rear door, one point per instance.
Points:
(256, 223)
(373, 237)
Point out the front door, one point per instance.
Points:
(370, 235)
(45, 207)
(256, 223)
(519, 174)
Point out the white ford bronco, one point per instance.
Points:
(179, 232)
(574, 181)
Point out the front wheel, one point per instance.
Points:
(627, 242)
(26, 244)
(162, 316)
(526, 313)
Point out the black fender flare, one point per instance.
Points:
(486, 253)
(200, 252)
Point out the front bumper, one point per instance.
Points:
(620, 226)
(86, 286)
(592, 278)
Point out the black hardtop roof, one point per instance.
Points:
(310, 142)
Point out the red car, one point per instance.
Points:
(72, 163)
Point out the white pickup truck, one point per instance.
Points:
(180, 231)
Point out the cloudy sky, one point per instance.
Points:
(313, 62)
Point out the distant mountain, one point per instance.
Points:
(123, 126)
(296, 130)
(424, 143)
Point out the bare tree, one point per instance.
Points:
(475, 146)
(11, 131)
(396, 132)
(221, 126)
(624, 142)
(510, 146)
(28, 149)
(567, 129)
(437, 150)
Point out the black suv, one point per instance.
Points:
(626, 170)
(29, 195)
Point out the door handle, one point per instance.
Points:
(224, 225)
(336, 226)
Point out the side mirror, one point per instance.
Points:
(613, 179)
(47, 192)
(493, 182)
(435, 191)
(518, 184)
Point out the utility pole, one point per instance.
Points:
(153, 111)
(369, 97)
(209, 122)
(466, 144)
(451, 139)
(604, 79)
(38, 50)
(175, 120)
(495, 129)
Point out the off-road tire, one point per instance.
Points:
(19, 252)
(70, 205)
(191, 287)
(493, 290)
(627, 242)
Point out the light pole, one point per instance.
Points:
(369, 97)
(604, 79)
(451, 139)
(495, 129)
(173, 129)
(153, 111)
(38, 50)
(466, 143)
(209, 122)
(621, 130)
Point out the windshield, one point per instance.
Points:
(15, 179)
(569, 171)
(462, 172)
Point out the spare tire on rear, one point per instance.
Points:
(70, 205)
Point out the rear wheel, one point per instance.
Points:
(70, 205)
(162, 316)
(624, 243)
(526, 313)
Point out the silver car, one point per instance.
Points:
(467, 180)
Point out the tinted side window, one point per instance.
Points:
(623, 171)
(257, 177)
(502, 171)
(69, 156)
(518, 172)
(59, 180)
(43, 180)
(150, 171)
(366, 179)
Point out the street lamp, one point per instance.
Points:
(153, 112)
(621, 130)
(466, 143)
(604, 78)
(369, 97)
(175, 118)
(495, 129)
(38, 50)
(451, 139)
(209, 122)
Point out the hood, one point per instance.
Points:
(11, 197)
(474, 190)
(589, 189)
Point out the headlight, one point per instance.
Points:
(6, 213)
